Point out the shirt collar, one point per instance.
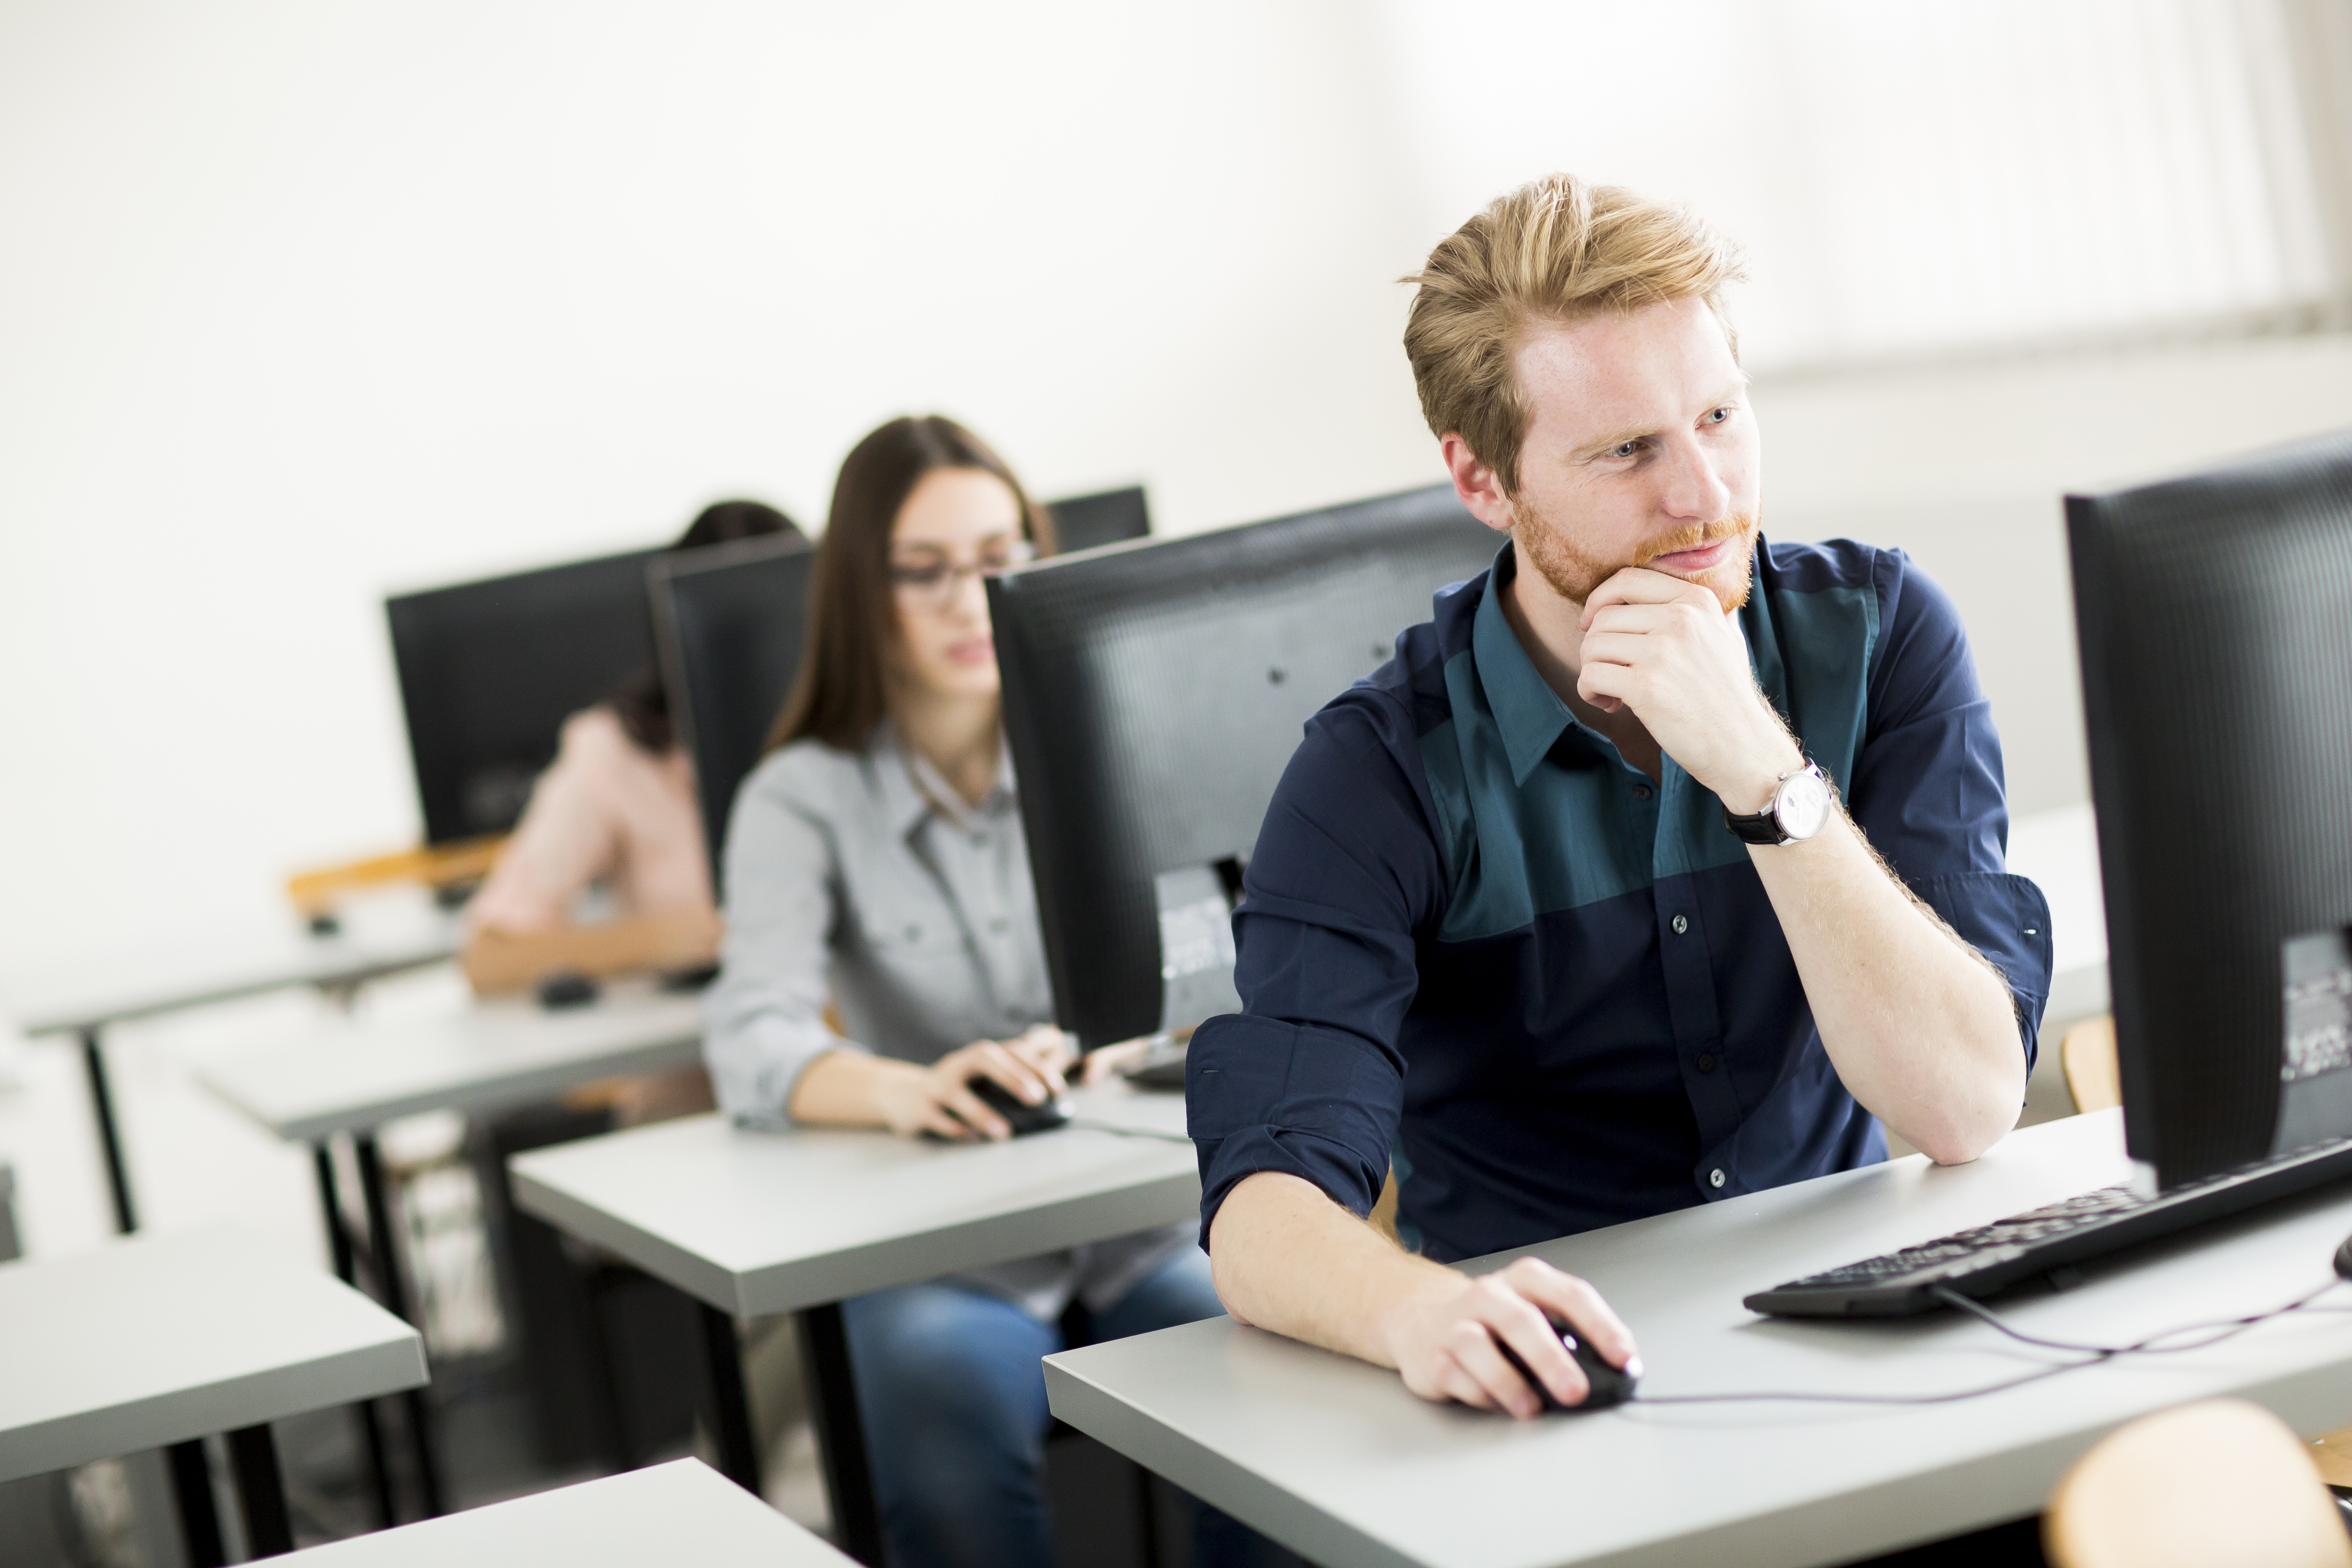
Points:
(1526, 711)
(913, 789)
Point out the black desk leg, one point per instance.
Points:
(102, 1107)
(385, 1248)
(339, 1243)
(840, 1433)
(192, 1490)
(260, 1491)
(729, 1407)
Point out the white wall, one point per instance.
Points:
(1964, 466)
(301, 303)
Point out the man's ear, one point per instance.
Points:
(1479, 486)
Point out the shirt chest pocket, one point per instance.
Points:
(922, 950)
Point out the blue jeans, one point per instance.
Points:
(954, 1405)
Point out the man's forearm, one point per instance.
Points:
(1922, 1031)
(1288, 1259)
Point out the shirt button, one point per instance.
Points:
(1641, 792)
(914, 933)
(998, 926)
(1681, 925)
(1715, 1178)
(1707, 1064)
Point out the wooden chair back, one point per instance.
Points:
(2214, 1482)
(2088, 1055)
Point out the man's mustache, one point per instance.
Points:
(1692, 536)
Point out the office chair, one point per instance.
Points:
(2218, 1481)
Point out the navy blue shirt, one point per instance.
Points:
(1476, 943)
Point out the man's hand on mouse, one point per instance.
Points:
(1442, 1337)
(1666, 648)
(940, 1099)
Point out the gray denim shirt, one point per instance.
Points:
(863, 877)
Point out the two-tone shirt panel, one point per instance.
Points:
(1551, 989)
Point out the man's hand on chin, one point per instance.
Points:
(1664, 647)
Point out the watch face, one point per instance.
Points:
(1802, 806)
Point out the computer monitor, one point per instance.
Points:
(489, 671)
(729, 622)
(1109, 517)
(2215, 616)
(1152, 697)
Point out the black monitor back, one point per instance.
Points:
(2215, 614)
(1153, 695)
(729, 622)
(1109, 517)
(489, 671)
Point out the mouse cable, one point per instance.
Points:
(2092, 1356)
(1088, 1125)
(2152, 1345)
(2036, 1375)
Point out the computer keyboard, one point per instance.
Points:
(1162, 1063)
(2046, 1242)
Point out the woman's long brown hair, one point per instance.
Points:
(839, 696)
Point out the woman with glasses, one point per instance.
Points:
(877, 857)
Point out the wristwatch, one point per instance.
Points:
(1800, 808)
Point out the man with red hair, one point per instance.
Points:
(1663, 864)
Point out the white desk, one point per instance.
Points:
(1338, 1460)
(108, 988)
(755, 1223)
(111, 987)
(355, 1076)
(511, 1051)
(157, 1342)
(680, 1512)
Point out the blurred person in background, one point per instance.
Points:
(617, 806)
(876, 858)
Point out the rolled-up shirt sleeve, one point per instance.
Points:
(1308, 1078)
(1928, 792)
(763, 1018)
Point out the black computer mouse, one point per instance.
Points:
(1609, 1386)
(1018, 1113)
(2344, 1259)
(565, 988)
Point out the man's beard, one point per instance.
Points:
(1575, 574)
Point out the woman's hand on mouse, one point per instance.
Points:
(937, 1099)
(1442, 1337)
(1048, 1050)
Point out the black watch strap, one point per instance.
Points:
(1763, 827)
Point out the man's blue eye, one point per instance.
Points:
(1718, 415)
(1625, 448)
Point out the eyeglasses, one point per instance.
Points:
(934, 583)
